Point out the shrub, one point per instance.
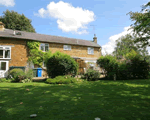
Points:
(109, 64)
(4, 80)
(91, 75)
(26, 80)
(61, 64)
(61, 80)
(29, 74)
(17, 75)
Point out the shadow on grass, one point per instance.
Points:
(108, 100)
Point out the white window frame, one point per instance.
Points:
(43, 65)
(67, 47)
(44, 46)
(89, 50)
(3, 48)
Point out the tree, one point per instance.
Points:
(126, 44)
(13, 20)
(141, 26)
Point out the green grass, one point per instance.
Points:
(108, 100)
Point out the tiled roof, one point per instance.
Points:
(46, 38)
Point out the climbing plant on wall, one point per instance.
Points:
(35, 55)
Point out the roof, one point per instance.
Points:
(46, 38)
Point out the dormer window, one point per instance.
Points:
(44, 47)
(5, 52)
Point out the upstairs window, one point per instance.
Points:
(67, 47)
(90, 50)
(44, 47)
(5, 52)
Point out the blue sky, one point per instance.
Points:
(74, 18)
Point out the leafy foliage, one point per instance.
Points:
(91, 75)
(14, 20)
(61, 64)
(141, 25)
(126, 44)
(47, 55)
(17, 74)
(29, 74)
(33, 45)
(27, 80)
(37, 57)
(133, 67)
(109, 64)
(5, 80)
(61, 80)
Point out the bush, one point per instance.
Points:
(26, 80)
(60, 64)
(61, 80)
(109, 64)
(17, 75)
(4, 80)
(91, 75)
(134, 67)
(29, 74)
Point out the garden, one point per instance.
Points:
(63, 96)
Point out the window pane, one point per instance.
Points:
(46, 44)
(1, 53)
(7, 48)
(90, 50)
(3, 66)
(42, 48)
(69, 47)
(7, 53)
(41, 44)
(65, 47)
(46, 48)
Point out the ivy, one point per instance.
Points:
(33, 45)
(36, 55)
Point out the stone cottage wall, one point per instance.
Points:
(19, 53)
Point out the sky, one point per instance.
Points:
(79, 19)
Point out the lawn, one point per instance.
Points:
(108, 100)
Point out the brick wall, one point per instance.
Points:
(19, 54)
(76, 51)
(18, 51)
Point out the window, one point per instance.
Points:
(44, 47)
(5, 52)
(90, 50)
(3, 66)
(67, 47)
(44, 64)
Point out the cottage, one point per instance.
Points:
(14, 52)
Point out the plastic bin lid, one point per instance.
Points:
(39, 68)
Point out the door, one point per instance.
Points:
(3, 69)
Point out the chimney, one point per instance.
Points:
(2, 27)
(95, 38)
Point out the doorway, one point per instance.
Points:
(3, 68)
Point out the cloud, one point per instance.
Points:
(69, 18)
(109, 47)
(7, 3)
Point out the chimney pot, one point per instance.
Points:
(95, 38)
